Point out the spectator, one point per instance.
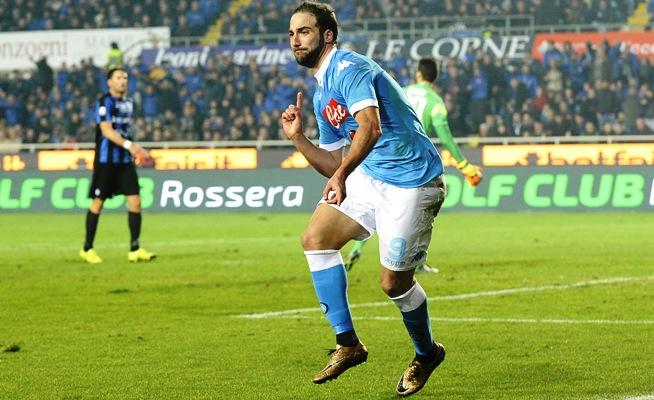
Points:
(553, 79)
(196, 18)
(518, 93)
(641, 128)
(44, 77)
(528, 79)
(632, 106)
(589, 129)
(150, 108)
(602, 68)
(479, 93)
(114, 56)
(607, 102)
(560, 126)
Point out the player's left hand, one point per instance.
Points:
(141, 156)
(334, 192)
(472, 173)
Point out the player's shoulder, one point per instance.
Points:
(347, 60)
(105, 104)
(350, 55)
(411, 87)
(103, 97)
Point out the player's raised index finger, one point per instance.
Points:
(299, 101)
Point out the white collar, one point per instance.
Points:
(320, 75)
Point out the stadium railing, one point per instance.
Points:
(8, 148)
(416, 27)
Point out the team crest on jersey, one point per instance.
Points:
(335, 113)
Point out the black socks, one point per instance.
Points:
(91, 228)
(347, 339)
(428, 358)
(134, 220)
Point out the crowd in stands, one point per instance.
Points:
(192, 17)
(184, 17)
(271, 16)
(545, 12)
(606, 90)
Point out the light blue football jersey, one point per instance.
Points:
(349, 82)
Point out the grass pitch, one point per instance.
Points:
(529, 306)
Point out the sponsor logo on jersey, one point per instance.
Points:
(335, 113)
(125, 107)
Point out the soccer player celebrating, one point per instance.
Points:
(113, 168)
(389, 182)
(433, 116)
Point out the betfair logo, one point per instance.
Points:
(559, 155)
(12, 163)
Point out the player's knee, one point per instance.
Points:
(307, 240)
(134, 204)
(96, 205)
(314, 240)
(394, 286)
(389, 286)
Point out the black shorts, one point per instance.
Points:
(112, 179)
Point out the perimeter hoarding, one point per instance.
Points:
(71, 46)
(639, 43)
(575, 188)
(440, 46)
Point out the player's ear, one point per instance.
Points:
(328, 35)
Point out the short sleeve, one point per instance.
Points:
(355, 83)
(103, 110)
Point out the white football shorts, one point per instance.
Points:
(402, 217)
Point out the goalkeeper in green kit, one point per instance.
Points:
(433, 115)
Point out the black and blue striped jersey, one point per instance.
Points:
(118, 111)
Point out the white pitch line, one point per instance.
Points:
(645, 397)
(156, 243)
(496, 320)
(463, 296)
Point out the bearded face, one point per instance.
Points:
(309, 58)
(306, 39)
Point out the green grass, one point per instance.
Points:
(169, 329)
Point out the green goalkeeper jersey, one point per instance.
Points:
(433, 115)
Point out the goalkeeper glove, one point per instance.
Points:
(473, 173)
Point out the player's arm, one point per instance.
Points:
(366, 136)
(472, 173)
(364, 140)
(103, 119)
(324, 161)
(110, 133)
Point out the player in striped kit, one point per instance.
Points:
(113, 167)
